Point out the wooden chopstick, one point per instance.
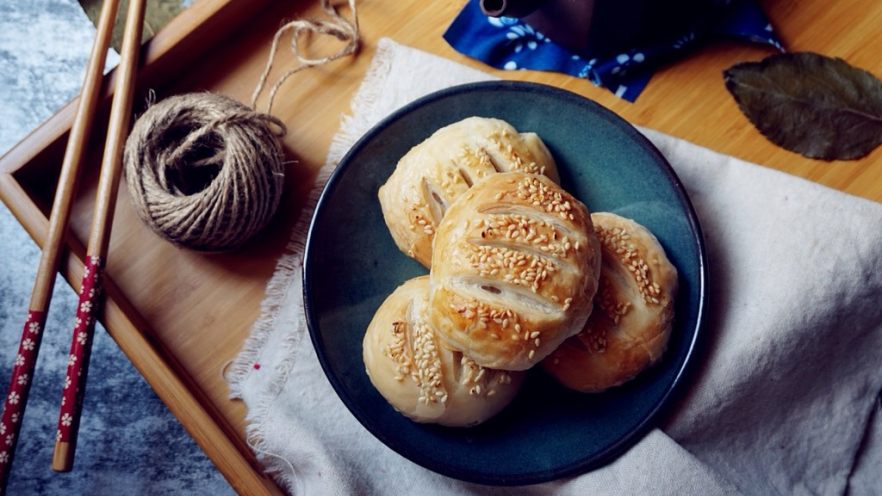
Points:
(31, 336)
(99, 238)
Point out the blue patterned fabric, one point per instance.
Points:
(511, 44)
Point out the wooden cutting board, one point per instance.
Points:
(181, 316)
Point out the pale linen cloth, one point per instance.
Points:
(784, 388)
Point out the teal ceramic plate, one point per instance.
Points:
(352, 264)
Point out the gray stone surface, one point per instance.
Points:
(129, 442)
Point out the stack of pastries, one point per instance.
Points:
(521, 274)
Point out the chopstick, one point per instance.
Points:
(99, 238)
(32, 333)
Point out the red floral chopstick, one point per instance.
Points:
(19, 387)
(80, 351)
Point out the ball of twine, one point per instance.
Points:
(205, 171)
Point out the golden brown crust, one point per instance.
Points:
(433, 174)
(515, 268)
(422, 379)
(633, 310)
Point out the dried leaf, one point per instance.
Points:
(818, 106)
(157, 14)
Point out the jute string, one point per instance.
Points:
(338, 26)
(207, 172)
(204, 171)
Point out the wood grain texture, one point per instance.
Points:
(192, 311)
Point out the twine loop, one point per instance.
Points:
(336, 25)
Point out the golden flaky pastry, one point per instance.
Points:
(433, 174)
(515, 267)
(629, 328)
(420, 378)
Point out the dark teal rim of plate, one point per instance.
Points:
(594, 460)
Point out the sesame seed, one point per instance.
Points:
(428, 364)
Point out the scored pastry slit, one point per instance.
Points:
(504, 157)
(464, 174)
(436, 203)
(542, 219)
(456, 372)
(491, 289)
(506, 294)
(526, 248)
(485, 157)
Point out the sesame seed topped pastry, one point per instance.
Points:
(514, 271)
(634, 307)
(422, 379)
(433, 174)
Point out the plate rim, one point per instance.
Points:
(629, 439)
